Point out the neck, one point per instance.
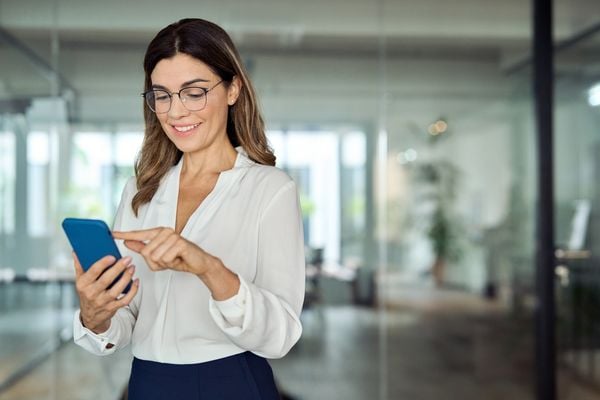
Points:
(209, 161)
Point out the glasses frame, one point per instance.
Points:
(178, 93)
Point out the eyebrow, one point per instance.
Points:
(184, 84)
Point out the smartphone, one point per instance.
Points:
(91, 240)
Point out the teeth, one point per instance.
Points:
(185, 128)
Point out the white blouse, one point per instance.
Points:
(252, 222)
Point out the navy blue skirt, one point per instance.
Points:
(241, 376)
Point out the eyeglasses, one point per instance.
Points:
(193, 98)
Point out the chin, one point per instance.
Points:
(185, 141)
(187, 147)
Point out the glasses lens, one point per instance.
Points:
(194, 98)
(158, 100)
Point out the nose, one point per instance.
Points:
(177, 109)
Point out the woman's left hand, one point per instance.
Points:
(163, 248)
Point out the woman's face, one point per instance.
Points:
(193, 131)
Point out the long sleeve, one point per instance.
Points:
(121, 325)
(264, 316)
(251, 220)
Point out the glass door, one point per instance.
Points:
(577, 205)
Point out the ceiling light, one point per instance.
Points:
(408, 156)
(441, 126)
(438, 127)
(594, 95)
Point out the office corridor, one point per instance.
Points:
(448, 345)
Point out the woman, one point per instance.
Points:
(213, 229)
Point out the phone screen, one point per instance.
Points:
(91, 240)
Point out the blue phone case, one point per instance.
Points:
(91, 240)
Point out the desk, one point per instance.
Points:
(337, 272)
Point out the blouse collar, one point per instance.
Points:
(171, 178)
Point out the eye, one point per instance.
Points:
(193, 93)
(161, 96)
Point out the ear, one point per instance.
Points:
(233, 91)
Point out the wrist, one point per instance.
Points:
(221, 281)
(96, 328)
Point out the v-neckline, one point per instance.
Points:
(206, 201)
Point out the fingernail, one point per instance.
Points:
(131, 268)
(127, 260)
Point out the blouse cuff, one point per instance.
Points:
(95, 342)
(233, 309)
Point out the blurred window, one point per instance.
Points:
(38, 157)
(325, 165)
(7, 182)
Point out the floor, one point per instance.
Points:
(72, 374)
(405, 355)
(455, 346)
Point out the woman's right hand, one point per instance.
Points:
(98, 303)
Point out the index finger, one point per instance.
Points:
(98, 268)
(140, 235)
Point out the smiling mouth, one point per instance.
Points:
(184, 129)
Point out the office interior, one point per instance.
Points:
(409, 127)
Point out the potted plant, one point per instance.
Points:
(444, 226)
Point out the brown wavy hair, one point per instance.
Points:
(210, 44)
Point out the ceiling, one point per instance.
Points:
(478, 27)
(70, 37)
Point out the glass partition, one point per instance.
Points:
(35, 308)
(576, 203)
(408, 127)
(460, 201)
